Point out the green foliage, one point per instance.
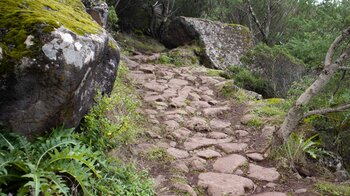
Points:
(214, 72)
(183, 56)
(255, 122)
(296, 148)
(49, 165)
(247, 80)
(60, 164)
(113, 120)
(159, 155)
(138, 43)
(327, 188)
(112, 19)
(231, 91)
(26, 17)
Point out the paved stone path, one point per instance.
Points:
(212, 148)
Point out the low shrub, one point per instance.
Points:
(61, 164)
(113, 120)
(246, 79)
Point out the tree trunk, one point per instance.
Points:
(296, 113)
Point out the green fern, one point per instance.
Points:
(39, 167)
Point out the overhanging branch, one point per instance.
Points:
(341, 108)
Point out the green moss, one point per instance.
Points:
(246, 79)
(112, 45)
(327, 188)
(21, 18)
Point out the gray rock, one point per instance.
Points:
(171, 125)
(255, 156)
(215, 111)
(217, 135)
(224, 44)
(198, 164)
(59, 84)
(219, 184)
(208, 154)
(185, 188)
(198, 124)
(99, 12)
(177, 153)
(218, 124)
(246, 118)
(181, 133)
(271, 194)
(229, 163)
(199, 142)
(262, 173)
(232, 147)
(181, 166)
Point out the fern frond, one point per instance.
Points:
(76, 170)
(53, 143)
(59, 183)
(80, 154)
(34, 183)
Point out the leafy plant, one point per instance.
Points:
(53, 164)
(247, 80)
(296, 148)
(114, 119)
(327, 188)
(60, 164)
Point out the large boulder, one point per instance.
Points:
(276, 66)
(54, 59)
(223, 44)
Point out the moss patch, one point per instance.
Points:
(21, 18)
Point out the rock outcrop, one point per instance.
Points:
(222, 44)
(51, 67)
(276, 66)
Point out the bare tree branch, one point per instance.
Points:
(296, 113)
(341, 108)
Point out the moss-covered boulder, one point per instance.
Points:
(276, 66)
(222, 44)
(54, 59)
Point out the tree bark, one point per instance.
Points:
(341, 108)
(296, 113)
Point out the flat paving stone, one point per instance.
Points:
(181, 133)
(255, 156)
(155, 86)
(178, 82)
(185, 188)
(198, 124)
(219, 184)
(208, 154)
(177, 153)
(200, 142)
(263, 173)
(271, 194)
(229, 163)
(171, 125)
(218, 124)
(217, 135)
(232, 147)
(215, 110)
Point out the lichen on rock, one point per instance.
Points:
(223, 44)
(55, 59)
(21, 18)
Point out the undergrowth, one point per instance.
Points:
(68, 163)
(245, 79)
(114, 121)
(327, 188)
(61, 164)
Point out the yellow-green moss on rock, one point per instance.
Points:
(21, 18)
